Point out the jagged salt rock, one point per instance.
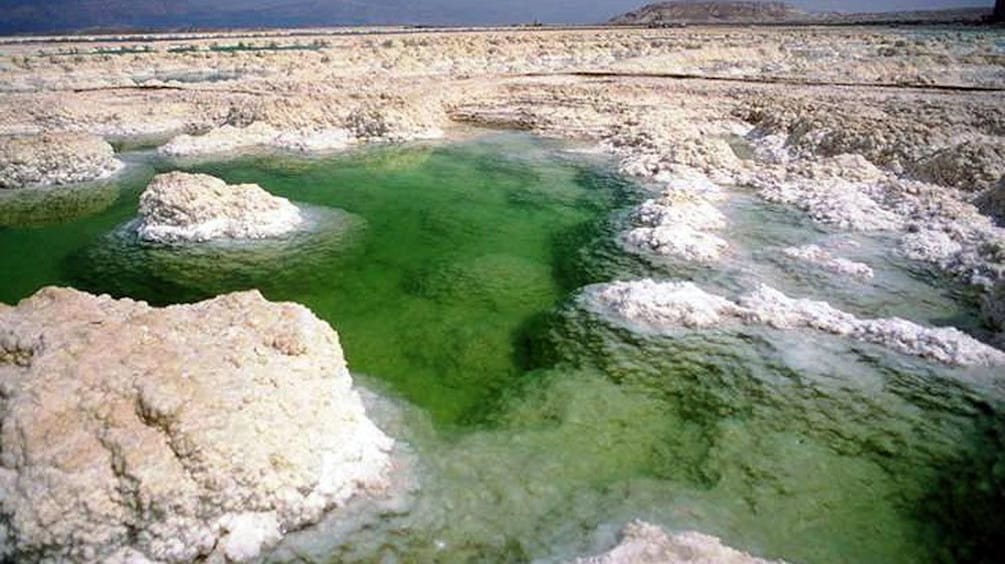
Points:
(224, 139)
(929, 245)
(132, 433)
(675, 225)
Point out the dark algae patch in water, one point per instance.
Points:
(450, 273)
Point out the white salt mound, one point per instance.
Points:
(178, 206)
(138, 434)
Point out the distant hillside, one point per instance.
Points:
(705, 12)
(727, 12)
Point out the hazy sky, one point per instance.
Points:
(40, 15)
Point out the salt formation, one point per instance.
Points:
(251, 127)
(970, 166)
(656, 305)
(132, 433)
(667, 306)
(676, 224)
(224, 139)
(992, 202)
(55, 158)
(993, 307)
(178, 206)
(929, 245)
(229, 139)
(813, 254)
(832, 200)
(643, 543)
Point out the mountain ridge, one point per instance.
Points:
(676, 12)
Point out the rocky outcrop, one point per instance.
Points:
(643, 543)
(178, 206)
(132, 433)
(55, 158)
(669, 306)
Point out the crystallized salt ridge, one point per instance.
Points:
(663, 306)
(178, 206)
(816, 255)
(643, 543)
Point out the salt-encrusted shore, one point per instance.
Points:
(669, 306)
(183, 207)
(137, 434)
(55, 158)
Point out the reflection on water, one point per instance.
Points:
(38, 207)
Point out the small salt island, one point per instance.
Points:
(182, 207)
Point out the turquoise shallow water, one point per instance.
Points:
(532, 429)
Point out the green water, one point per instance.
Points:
(532, 430)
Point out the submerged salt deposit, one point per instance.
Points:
(178, 207)
(644, 543)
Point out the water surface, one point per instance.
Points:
(534, 430)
